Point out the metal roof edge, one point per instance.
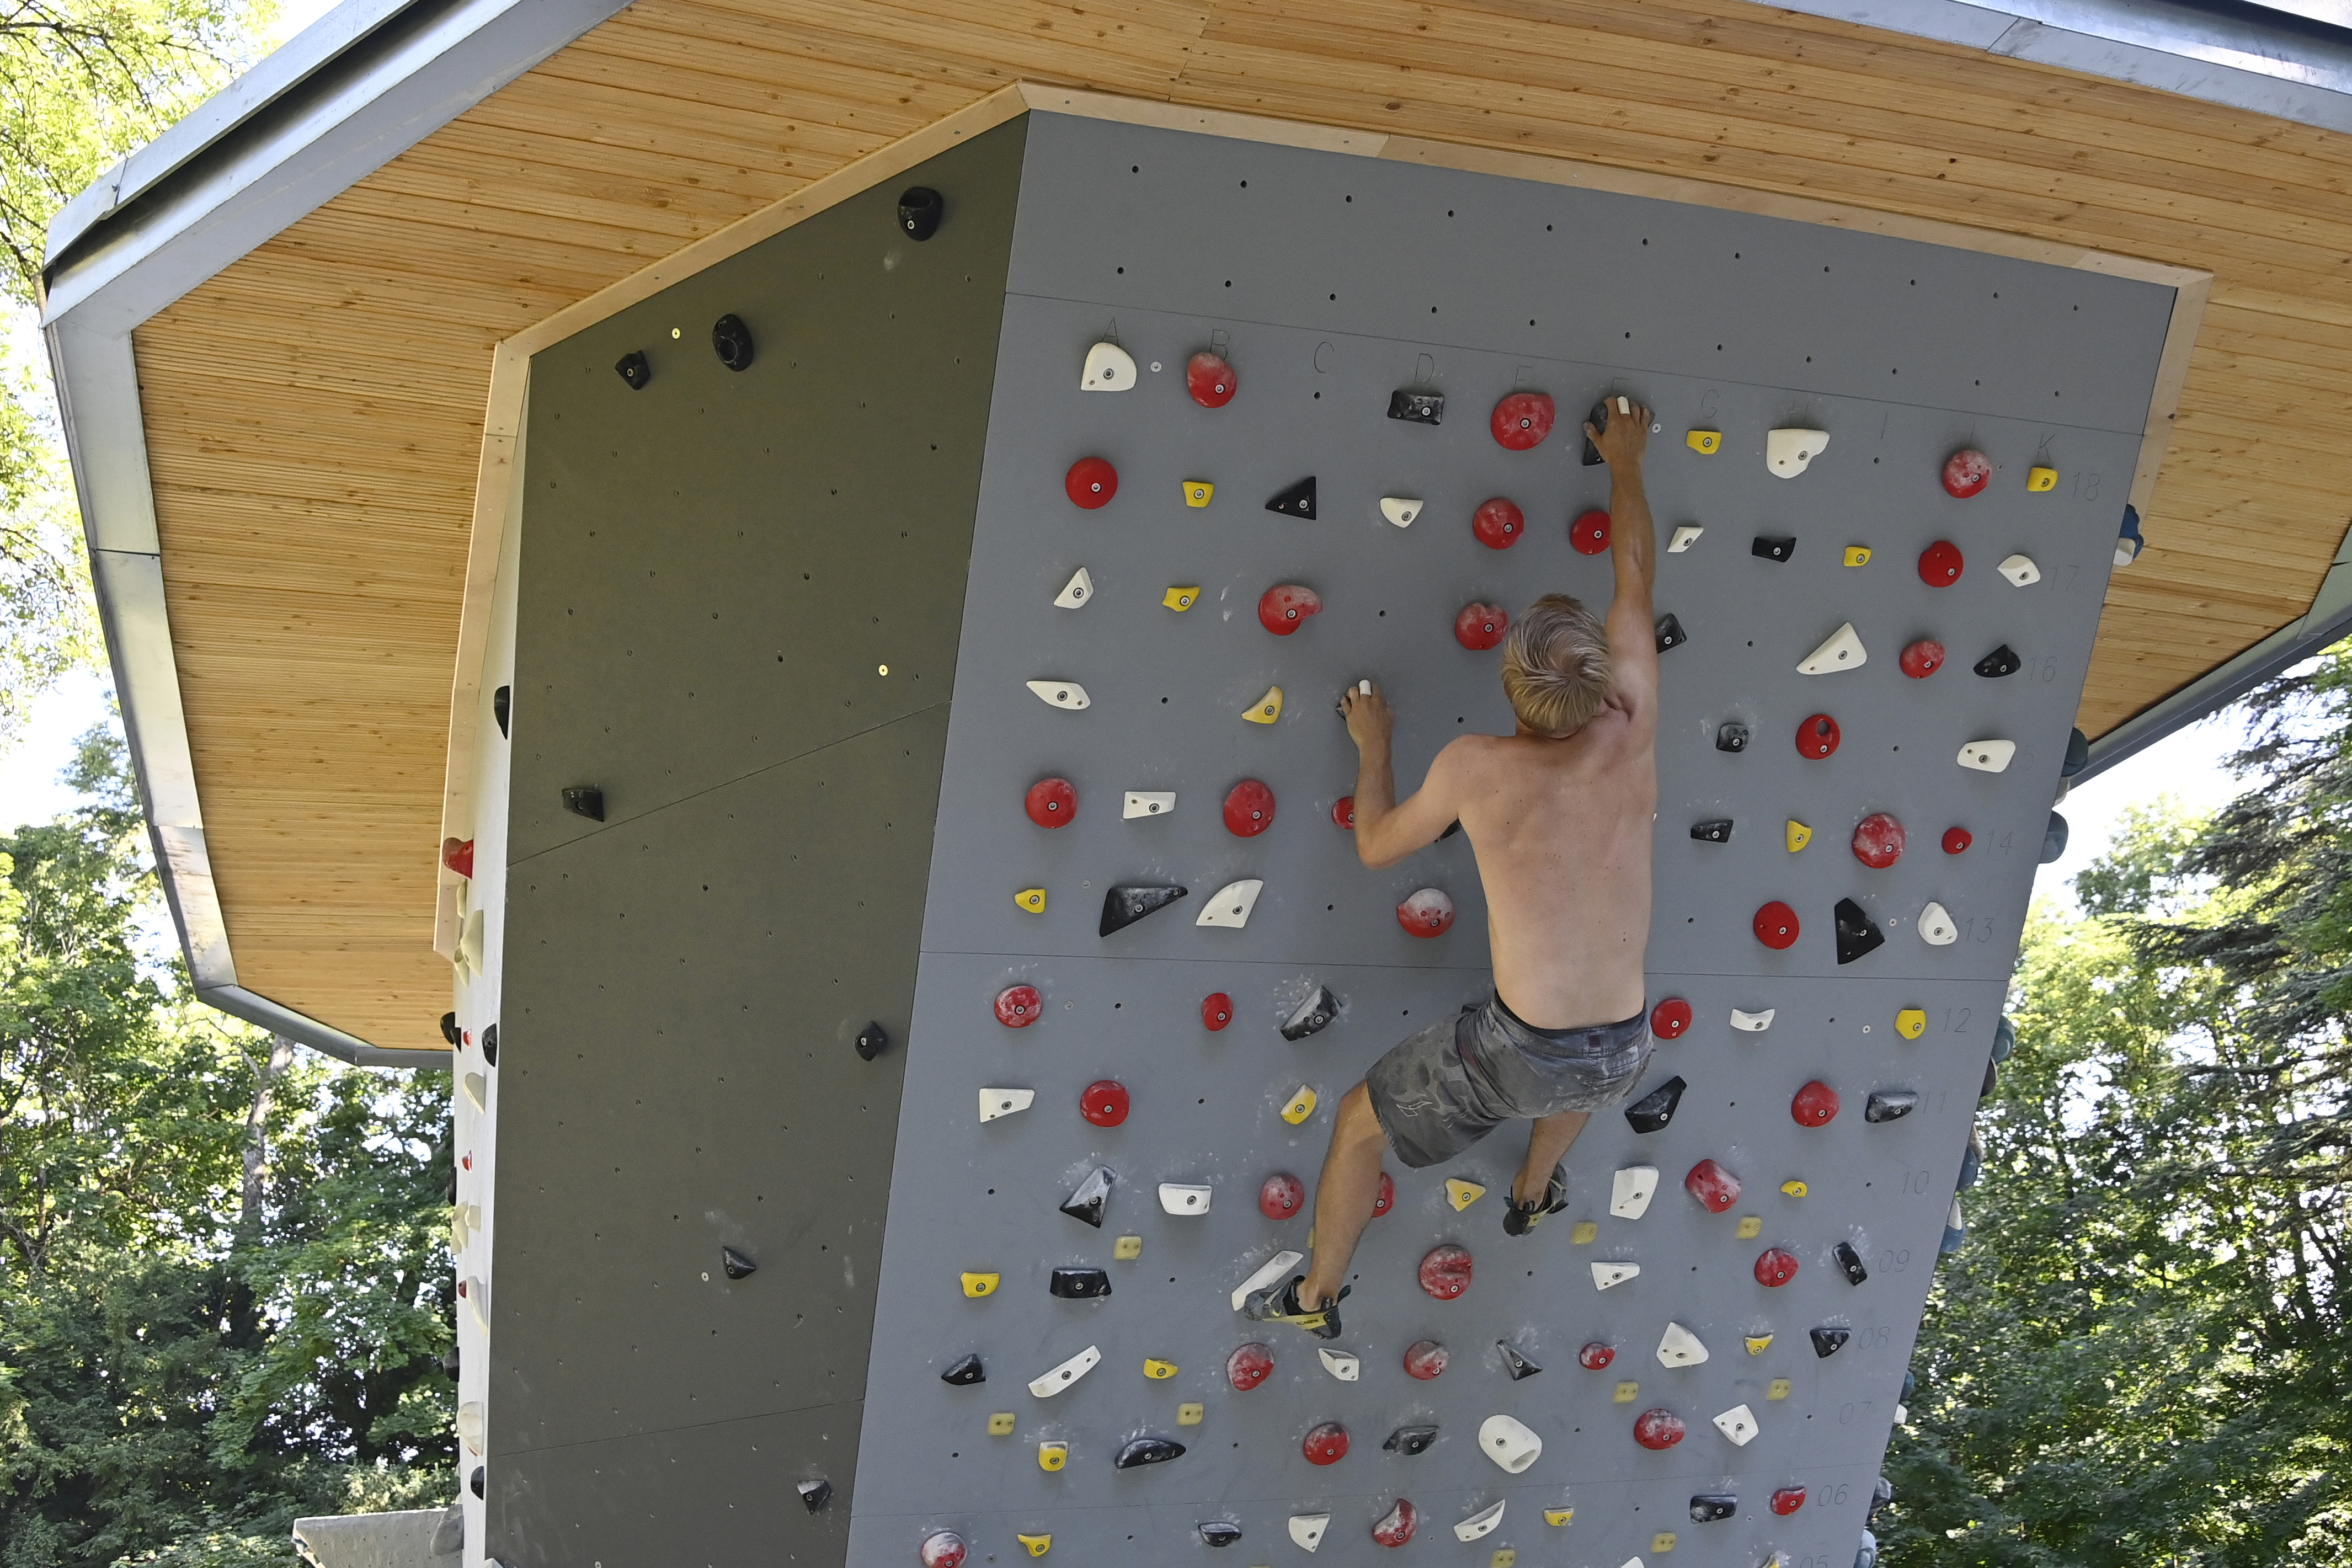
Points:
(237, 1001)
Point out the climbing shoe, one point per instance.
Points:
(1519, 1221)
(1280, 1305)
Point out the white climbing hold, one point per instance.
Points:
(1988, 757)
(996, 1102)
(1232, 905)
(1048, 1383)
(1509, 1442)
(1307, 1529)
(1077, 591)
(478, 1089)
(1630, 1191)
(1269, 1272)
(1739, 1424)
(1680, 1347)
(1605, 1275)
(1149, 803)
(1483, 1522)
(1067, 694)
(2019, 569)
(1339, 1364)
(1754, 1023)
(477, 1302)
(1183, 1198)
(470, 1425)
(1787, 452)
(1110, 368)
(1843, 651)
(1684, 537)
(1400, 509)
(1935, 927)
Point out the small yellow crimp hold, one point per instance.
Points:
(1857, 554)
(1911, 1023)
(1266, 709)
(999, 1423)
(1556, 1516)
(1776, 1389)
(1154, 1367)
(1038, 1545)
(1793, 1188)
(1706, 443)
(1032, 899)
(978, 1285)
(1180, 598)
(1759, 1343)
(1750, 1227)
(1586, 1230)
(1301, 1106)
(1188, 1413)
(1627, 1392)
(1799, 836)
(1504, 1557)
(2039, 479)
(1664, 1542)
(1198, 491)
(1053, 1456)
(1126, 1248)
(1462, 1194)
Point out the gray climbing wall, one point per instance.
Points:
(1330, 280)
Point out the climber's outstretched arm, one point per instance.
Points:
(1387, 829)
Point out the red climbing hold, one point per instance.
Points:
(1923, 658)
(1428, 912)
(1397, 1525)
(1957, 840)
(1879, 841)
(1249, 809)
(1595, 1356)
(1713, 1185)
(1249, 1366)
(1965, 472)
(1776, 926)
(1815, 1105)
(1787, 1501)
(1327, 1443)
(943, 1549)
(1670, 1018)
(1424, 1359)
(1817, 737)
(1445, 1271)
(1657, 1428)
(1497, 524)
(1051, 803)
(1775, 1268)
(1941, 564)
(457, 854)
(1481, 626)
(1287, 606)
(1589, 532)
(1522, 420)
(1343, 812)
(1018, 1007)
(1282, 1196)
(1091, 483)
(1210, 380)
(1104, 1103)
(1385, 1199)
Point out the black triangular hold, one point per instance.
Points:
(2078, 754)
(449, 1363)
(1451, 829)
(451, 1032)
(1410, 1439)
(1517, 1365)
(1731, 738)
(1148, 1451)
(1712, 832)
(490, 1045)
(502, 708)
(1850, 1261)
(1890, 1104)
(1419, 408)
(920, 211)
(1855, 934)
(475, 1484)
(1670, 632)
(2001, 661)
(1993, 1076)
(1655, 1109)
(1298, 500)
(1091, 1198)
(1221, 1532)
(965, 1373)
(737, 1267)
(1827, 1342)
(1123, 906)
(1312, 1015)
(872, 1041)
(730, 340)
(1772, 549)
(636, 370)
(815, 1494)
(1971, 1164)
(584, 800)
(1079, 1284)
(1709, 1508)
(1599, 419)
(2053, 838)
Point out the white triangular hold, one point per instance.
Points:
(1180, 1198)
(1679, 1347)
(1754, 1023)
(1149, 803)
(996, 1102)
(1077, 591)
(1739, 1424)
(1271, 1271)
(1307, 1529)
(1400, 509)
(470, 1425)
(1509, 1442)
(1988, 757)
(1232, 905)
(1684, 537)
(1935, 927)
(1110, 368)
(1631, 1563)
(1604, 1275)
(469, 942)
(1843, 651)
(1067, 694)
(2019, 569)
(477, 1302)
(1483, 1522)
(1786, 452)
(1046, 1385)
(1631, 1189)
(1339, 1364)
(478, 1089)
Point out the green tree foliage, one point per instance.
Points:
(225, 1281)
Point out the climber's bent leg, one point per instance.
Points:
(1344, 1195)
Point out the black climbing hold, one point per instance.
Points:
(490, 1045)
(453, 1183)
(635, 369)
(1079, 1284)
(920, 211)
(965, 1373)
(815, 1494)
(1889, 1104)
(1971, 1163)
(450, 1032)
(1712, 832)
(1220, 1533)
(1670, 632)
(1420, 407)
(2001, 661)
(1731, 738)
(2078, 754)
(1850, 1262)
(1880, 1496)
(731, 340)
(1708, 1508)
(1451, 829)
(502, 708)
(1993, 1076)
(1910, 1385)
(2053, 838)
(1517, 1365)
(1149, 1451)
(1855, 934)
(737, 1267)
(1772, 549)
(475, 1484)
(1312, 1015)
(584, 800)
(1091, 1198)
(1599, 419)
(1828, 1342)
(872, 1041)
(1655, 1109)
(2004, 1039)
(450, 1360)
(1122, 907)
(1410, 1439)
(1298, 500)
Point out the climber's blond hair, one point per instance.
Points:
(1555, 666)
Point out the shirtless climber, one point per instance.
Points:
(1560, 815)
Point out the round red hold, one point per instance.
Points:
(1787, 1501)
(1104, 1103)
(1397, 1525)
(1589, 532)
(457, 854)
(1091, 483)
(1287, 606)
(943, 1549)
(1657, 1428)
(1343, 812)
(1957, 840)
(1052, 802)
(1424, 1359)
(1941, 564)
(1670, 1018)
(1216, 1011)
(1384, 1199)
(1522, 420)
(1965, 472)
(1428, 912)
(1817, 737)
(1445, 1271)
(1249, 1366)
(1713, 1185)
(1923, 658)
(1282, 1196)
(1815, 1106)
(1879, 841)
(1327, 1443)
(1776, 926)
(1775, 1268)
(1497, 524)
(1481, 626)
(1018, 1007)
(1210, 380)
(1595, 1356)
(1249, 809)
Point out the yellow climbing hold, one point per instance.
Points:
(1911, 1023)
(1462, 1194)
(1794, 1189)
(1706, 443)
(1188, 1413)
(2038, 478)
(1000, 1425)
(1759, 1343)
(1053, 1456)
(1627, 1392)
(1198, 491)
(1559, 1515)
(1180, 598)
(1776, 1389)
(1503, 1558)
(1301, 1106)
(1038, 1545)
(1126, 1248)
(1031, 899)
(1586, 1230)
(1750, 1227)
(1662, 1542)
(977, 1285)
(1266, 709)
(1799, 836)
(1156, 1368)
(1857, 554)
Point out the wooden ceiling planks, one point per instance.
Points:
(314, 414)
